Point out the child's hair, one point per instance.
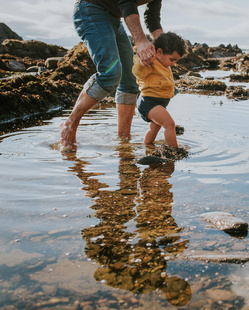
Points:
(170, 42)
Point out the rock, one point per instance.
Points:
(192, 61)
(228, 63)
(190, 84)
(223, 51)
(27, 95)
(76, 67)
(209, 78)
(220, 294)
(244, 65)
(14, 65)
(191, 73)
(225, 221)
(2, 49)
(213, 63)
(216, 52)
(33, 69)
(237, 92)
(239, 247)
(179, 130)
(7, 33)
(53, 301)
(76, 305)
(150, 160)
(239, 78)
(38, 69)
(178, 291)
(234, 257)
(52, 62)
(170, 153)
(27, 62)
(34, 49)
(200, 49)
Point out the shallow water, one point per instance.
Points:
(96, 228)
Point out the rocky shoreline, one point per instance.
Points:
(37, 78)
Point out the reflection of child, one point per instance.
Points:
(157, 86)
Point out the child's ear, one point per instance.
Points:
(159, 51)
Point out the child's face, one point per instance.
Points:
(167, 60)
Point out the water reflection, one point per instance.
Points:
(136, 235)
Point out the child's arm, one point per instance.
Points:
(140, 70)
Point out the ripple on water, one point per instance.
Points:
(218, 137)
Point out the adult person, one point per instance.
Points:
(98, 23)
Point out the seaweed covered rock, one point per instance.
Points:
(29, 95)
(33, 49)
(215, 52)
(193, 61)
(76, 67)
(243, 65)
(223, 51)
(237, 92)
(172, 153)
(7, 60)
(26, 94)
(192, 84)
(228, 63)
(239, 78)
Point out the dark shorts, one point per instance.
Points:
(145, 104)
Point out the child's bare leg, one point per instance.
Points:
(161, 116)
(151, 134)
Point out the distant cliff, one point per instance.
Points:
(7, 33)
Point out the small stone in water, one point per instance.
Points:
(225, 221)
(150, 160)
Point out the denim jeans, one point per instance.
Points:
(110, 50)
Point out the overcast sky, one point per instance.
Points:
(213, 22)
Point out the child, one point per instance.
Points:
(157, 86)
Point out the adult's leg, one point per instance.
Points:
(125, 116)
(127, 91)
(95, 27)
(68, 128)
(161, 116)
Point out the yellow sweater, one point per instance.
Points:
(156, 81)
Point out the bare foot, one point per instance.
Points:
(67, 134)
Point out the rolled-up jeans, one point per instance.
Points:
(111, 51)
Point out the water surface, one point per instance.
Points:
(96, 228)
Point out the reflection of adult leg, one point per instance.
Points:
(95, 27)
(127, 91)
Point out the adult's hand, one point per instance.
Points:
(145, 49)
(146, 52)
